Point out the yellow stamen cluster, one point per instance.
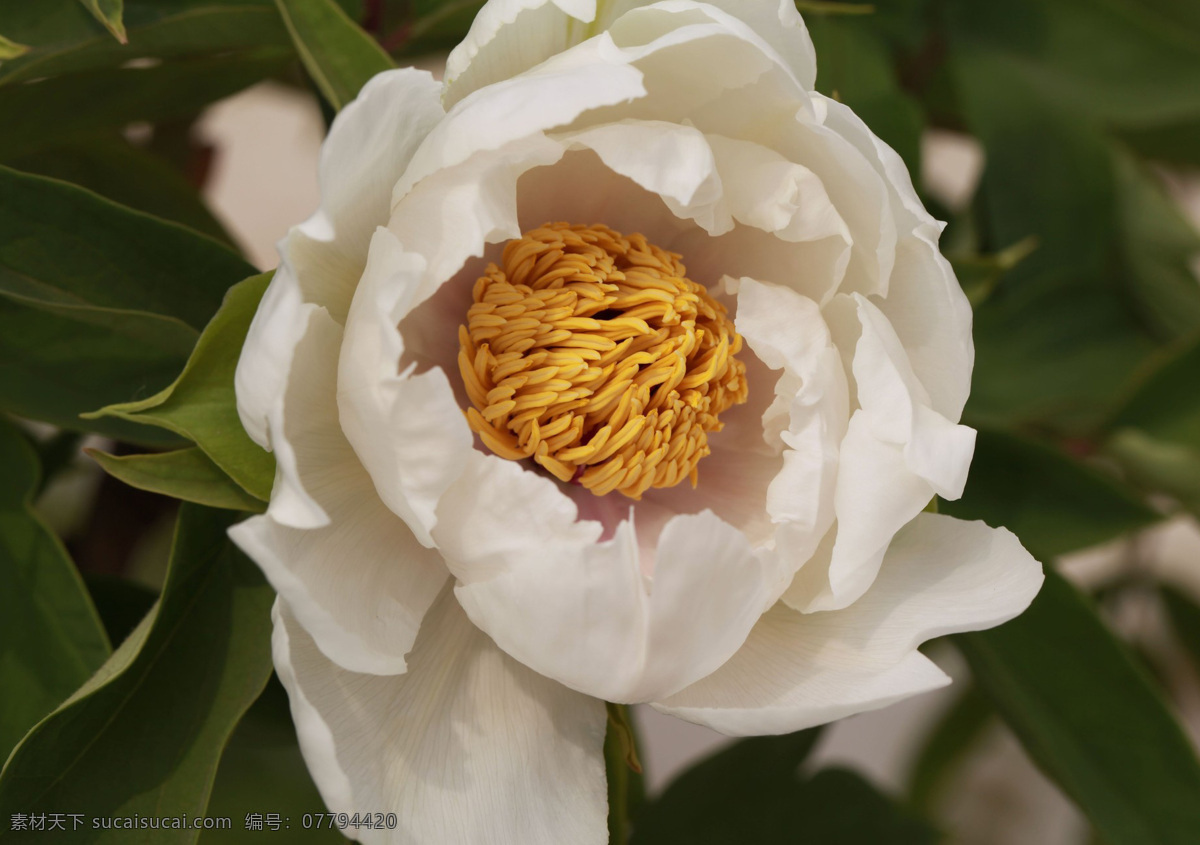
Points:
(592, 353)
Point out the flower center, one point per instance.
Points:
(592, 353)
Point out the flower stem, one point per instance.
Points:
(626, 790)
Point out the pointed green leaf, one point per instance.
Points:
(1053, 502)
(66, 108)
(131, 175)
(337, 54)
(186, 474)
(262, 769)
(109, 13)
(1055, 348)
(1157, 247)
(201, 405)
(145, 734)
(1158, 465)
(64, 38)
(1165, 403)
(1113, 60)
(50, 636)
(10, 49)
(1156, 432)
(98, 303)
(1090, 718)
(67, 250)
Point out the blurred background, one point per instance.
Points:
(1061, 142)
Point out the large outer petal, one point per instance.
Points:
(897, 453)
(580, 609)
(510, 36)
(924, 303)
(468, 748)
(941, 576)
(361, 583)
(369, 145)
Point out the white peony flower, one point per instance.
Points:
(458, 593)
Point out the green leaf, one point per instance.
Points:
(201, 404)
(948, 745)
(1090, 718)
(186, 474)
(50, 636)
(1058, 340)
(1157, 247)
(979, 274)
(63, 108)
(1165, 403)
(10, 49)
(1155, 435)
(855, 67)
(1054, 503)
(1114, 60)
(108, 12)
(52, 369)
(98, 303)
(752, 791)
(1158, 465)
(130, 175)
(263, 771)
(1185, 620)
(71, 252)
(145, 734)
(337, 54)
(66, 39)
(1178, 143)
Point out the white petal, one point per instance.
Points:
(468, 748)
(673, 161)
(765, 190)
(930, 314)
(809, 415)
(299, 418)
(897, 453)
(779, 24)
(368, 147)
(875, 494)
(941, 576)
(924, 301)
(858, 192)
(697, 60)
(406, 428)
(265, 363)
(552, 95)
(589, 612)
(360, 586)
(897, 407)
(508, 37)
(357, 578)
